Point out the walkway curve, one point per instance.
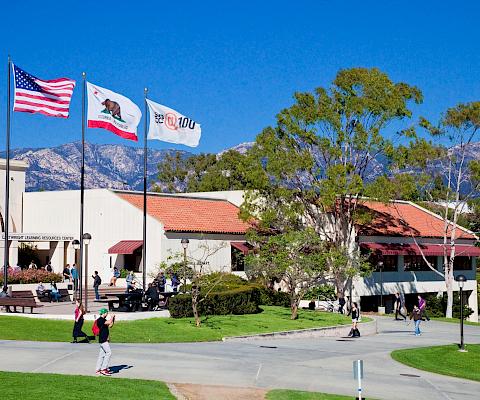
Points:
(314, 364)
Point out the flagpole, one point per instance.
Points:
(7, 183)
(82, 194)
(144, 255)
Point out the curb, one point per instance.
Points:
(366, 329)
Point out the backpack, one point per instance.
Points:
(95, 328)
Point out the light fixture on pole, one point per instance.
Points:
(77, 289)
(380, 267)
(461, 279)
(185, 243)
(86, 242)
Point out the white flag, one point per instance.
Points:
(170, 126)
(112, 111)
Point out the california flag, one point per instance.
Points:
(112, 111)
(170, 126)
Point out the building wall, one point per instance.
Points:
(110, 219)
(107, 218)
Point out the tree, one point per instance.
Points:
(197, 263)
(461, 179)
(295, 257)
(319, 158)
(207, 172)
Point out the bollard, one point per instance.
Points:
(358, 375)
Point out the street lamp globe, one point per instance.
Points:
(461, 279)
(185, 242)
(76, 244)
(86, 238)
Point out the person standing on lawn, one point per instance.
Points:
(77, 326)
(105, 353)
(416, 315)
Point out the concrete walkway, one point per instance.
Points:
(315, 364)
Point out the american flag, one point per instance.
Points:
(34, 95)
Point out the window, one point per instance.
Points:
(417, 263)
(238, 260)
(462, 263)
(390, 263)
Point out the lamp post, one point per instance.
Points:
(461, 282)
(185, 243)
(86, 241)
(78, 288)
(380, 266)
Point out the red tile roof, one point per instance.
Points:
(402, 218)
(188, 214)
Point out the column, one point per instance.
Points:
(56, 256)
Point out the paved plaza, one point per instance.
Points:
(320, 364)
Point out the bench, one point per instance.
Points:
(21, 298)
(45, 296)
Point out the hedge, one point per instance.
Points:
(243, 300)
(31, 276)
(269, 297)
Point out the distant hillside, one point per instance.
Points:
(121, 167)
(106, 166)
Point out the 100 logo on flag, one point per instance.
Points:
(170, 126)
(170, 121)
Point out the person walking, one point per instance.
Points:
(416, 315)
(105, 353)
(422, 305)
(399, 304)
(77, 326)
(97, 281)
(354, 332)
(74, 276)
(341, 304)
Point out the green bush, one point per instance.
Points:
(269, 297)
(238, 301)
(437, 306)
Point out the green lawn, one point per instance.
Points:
(445, 360)
(280, 394)
(455, 321)
(164, 330)
(26, 386)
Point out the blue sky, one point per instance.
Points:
(232, 66)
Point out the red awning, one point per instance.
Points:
(125, 247)
(242, 246)
(461, 250)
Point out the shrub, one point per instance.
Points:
(437, 306)
(31, 276)
(269, 297)
(243, 300)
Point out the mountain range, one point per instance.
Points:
(121, 167)
(106, 166)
